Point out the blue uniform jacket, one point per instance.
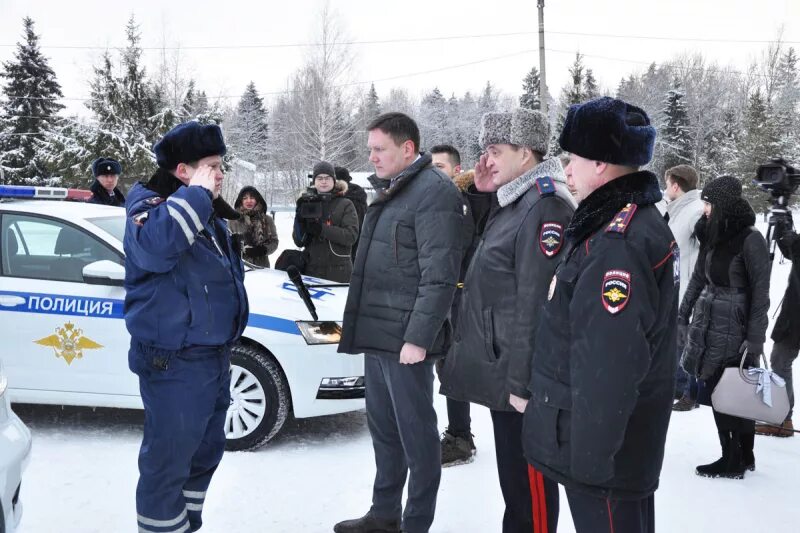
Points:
(184, 282)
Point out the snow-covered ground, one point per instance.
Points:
(82, 474)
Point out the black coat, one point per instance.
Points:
(406, 268)
(504, 287)
(603, 371)
(356, 194)
(728, 295)
(787, 326)
(255, 228)
(100, 196)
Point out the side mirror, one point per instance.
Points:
(104, 273)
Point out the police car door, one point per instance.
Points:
(62, 334)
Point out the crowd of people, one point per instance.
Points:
(571, 296)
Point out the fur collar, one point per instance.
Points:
(512, 191)
(464, 180)
(640, 188)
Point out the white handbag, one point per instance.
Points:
(753, 393)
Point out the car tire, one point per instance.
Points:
(259, 399)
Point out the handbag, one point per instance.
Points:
(753, 393)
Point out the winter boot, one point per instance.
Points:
(785, 430)
(457, 450)
(368, 523)
(747, 441)
(685, 404)
(730, 465)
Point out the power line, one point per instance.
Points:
(414, 40)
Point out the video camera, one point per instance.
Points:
(310, 204)
(781, 180)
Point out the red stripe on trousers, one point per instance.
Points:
(538, 504)
(610, 516)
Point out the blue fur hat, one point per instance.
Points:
(103, 166)
(609, 130)
(187, 143)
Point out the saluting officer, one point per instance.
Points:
(603, 367)
(185, 306)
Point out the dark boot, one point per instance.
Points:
(730, 465)
(747, 440)
(713, 469)
(368, 523)
(457, 450)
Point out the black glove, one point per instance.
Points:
(314, 228)
(257, 251)
(753, 348)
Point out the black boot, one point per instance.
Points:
(730, 465)
(747, 439)
(713, 469)
(368, 523)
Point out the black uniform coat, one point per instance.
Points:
(503, 291)
(787, 327)
(100, 196)
(406, 267)
(602, 375)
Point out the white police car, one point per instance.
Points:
(65, 342)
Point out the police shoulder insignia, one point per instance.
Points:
(621, 220)
(545, 186)
(616, 290)
(155, 200)
(551, 236)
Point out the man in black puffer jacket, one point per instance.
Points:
(400, 294)
(603, 369)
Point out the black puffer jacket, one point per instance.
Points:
(728, 295)
(504, 289)
(787, 327)
(100, 196)
(407, 264)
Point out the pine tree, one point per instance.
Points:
(249, 131)
(28, 112)
(758, 143)
(676, 137)
(590, 89)
(530, 91)
(575, 93)
(433, 116)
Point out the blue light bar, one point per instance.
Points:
(43, 193)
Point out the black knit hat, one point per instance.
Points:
(104, 166)
(187, 143)
(342, 174)
(323, 167)
(723, 193)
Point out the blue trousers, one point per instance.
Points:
(186, 397)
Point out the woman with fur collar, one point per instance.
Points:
(257, 229)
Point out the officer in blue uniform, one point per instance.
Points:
(184, 308)
(603, 365)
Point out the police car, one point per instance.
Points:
(15, 451)
(65, 341)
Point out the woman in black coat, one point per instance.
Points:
(259, 235)
(727, 300)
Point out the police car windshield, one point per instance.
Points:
(113, 225)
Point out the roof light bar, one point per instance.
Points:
(43, 193)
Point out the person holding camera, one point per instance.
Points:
(329, 237)
(259, 237)
(786, 332)
(727, 300)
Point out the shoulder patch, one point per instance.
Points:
(551, 237)
(155, 200)
(620, 222)
(545, 186)
(615, 291)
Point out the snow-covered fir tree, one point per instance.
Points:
(28, 111)
(675, 135)
(248, 130)
(530, 90)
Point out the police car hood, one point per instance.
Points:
(271, 293)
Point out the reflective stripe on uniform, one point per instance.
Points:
(161, 523)
(174, 213)
(197, 495)
(197, 507)
(189, 210)
(185, 527)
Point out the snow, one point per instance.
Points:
(82, 475)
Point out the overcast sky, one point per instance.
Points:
(226, 71)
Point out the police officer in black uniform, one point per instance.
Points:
(603, 368)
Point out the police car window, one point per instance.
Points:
(42, 248)
(112, 225)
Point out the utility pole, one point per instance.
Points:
(542, 70)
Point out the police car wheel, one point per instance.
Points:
(259, 399)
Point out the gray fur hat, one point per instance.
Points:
(523, 127)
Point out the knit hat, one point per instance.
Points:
(104, 166)
(609, 130)
(323, 167)
(723, 193)
(522, 127)
(187, 143)
(342, 174)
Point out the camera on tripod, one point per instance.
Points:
(781, 180)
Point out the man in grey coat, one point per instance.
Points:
(504, 290)
(684, 209)
(403, 283)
